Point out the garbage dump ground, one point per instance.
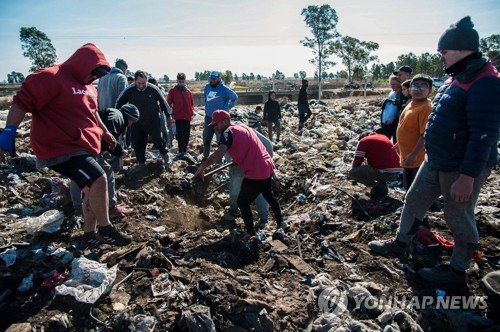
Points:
(188, 270)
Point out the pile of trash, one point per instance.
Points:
(189, 270)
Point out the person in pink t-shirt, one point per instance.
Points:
(248, 152)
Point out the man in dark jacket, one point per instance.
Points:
(303, 105)
(272, 115)
(117, 122)
(460, 140)
(150, 101)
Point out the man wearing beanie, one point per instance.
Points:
(116, 121)
(460, 139)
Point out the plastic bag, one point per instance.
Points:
(88, 280)
(48, 222)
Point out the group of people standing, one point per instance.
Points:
(447, 147)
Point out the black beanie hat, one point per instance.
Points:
(460, 36)
(130, 111)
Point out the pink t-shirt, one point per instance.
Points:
(247, 152)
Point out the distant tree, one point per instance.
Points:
(166, 78)
(354, 53)
(227, 76)
(15, 77)
(324, 75)
(376, 71)
(244, 77)
(302, 74)
(38, 48)
(342, 74)
(235, 77)
(491, 47)
(323, 23)
(296, 75)
(279, 75)
(331, 76)
(259, 77)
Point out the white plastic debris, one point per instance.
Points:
(48, 222)
(88, 280)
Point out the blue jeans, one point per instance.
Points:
(235, 178)
(428, 185)
(208, 135)
(76, 192)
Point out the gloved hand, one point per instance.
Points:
(7, 140)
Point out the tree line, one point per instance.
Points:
(325, 41)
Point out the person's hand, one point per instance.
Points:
(410, 160)
(461, 189)
(200, 173)
(7, 138)
(109, 139)
(124, 154)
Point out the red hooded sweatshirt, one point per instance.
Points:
(63, 106)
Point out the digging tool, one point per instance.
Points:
(218, 169)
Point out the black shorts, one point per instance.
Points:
(84, 170)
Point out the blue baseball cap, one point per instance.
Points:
(214, 74)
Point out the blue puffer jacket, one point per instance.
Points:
(463, 128)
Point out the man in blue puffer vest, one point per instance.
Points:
(461, 143)
(217, 97)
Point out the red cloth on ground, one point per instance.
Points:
(427, 237)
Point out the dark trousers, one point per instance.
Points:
(304, 116)
(250, 189)
(139, 137)
(409, 175)
(183, 130)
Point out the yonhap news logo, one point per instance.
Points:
(333, 299)
(422, 302)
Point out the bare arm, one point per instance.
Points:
(16, 115)
(212, 159)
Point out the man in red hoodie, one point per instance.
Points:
(181, 100)
(66, 133)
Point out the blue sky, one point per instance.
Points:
(244, 36)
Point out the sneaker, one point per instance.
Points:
(119, 211)
(443, 274)
(284, 226)
(113, 236)
(384, 247)
(90, 239)
(230, 216)
(263, 224)
(179, 156)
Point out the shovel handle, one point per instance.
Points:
(219, 168)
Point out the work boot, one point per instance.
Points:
(379, 191)
(443, 274)
(390, 246)
(111, 235)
